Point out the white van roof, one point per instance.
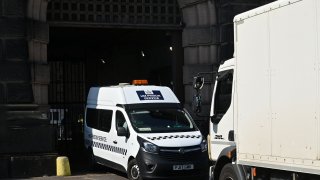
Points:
(130, 94)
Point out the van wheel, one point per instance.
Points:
(228, 173)
(133, 171)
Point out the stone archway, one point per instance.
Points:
(24, 76)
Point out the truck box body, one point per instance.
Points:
(277, 86)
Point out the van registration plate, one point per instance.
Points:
(183, 167)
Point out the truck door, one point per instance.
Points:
(221, 126)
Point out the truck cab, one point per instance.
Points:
(221, 125)
(221, 128)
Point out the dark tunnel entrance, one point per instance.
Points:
(112, 56)
(81, 58)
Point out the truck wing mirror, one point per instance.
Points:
(197, 103)
(198, 82)
(215, 119)
(121, 131)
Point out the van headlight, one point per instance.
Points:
(204, 145)
(148, 146)
(151, 148)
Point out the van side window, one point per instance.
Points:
(120, 120)
(99, 119)
(223, 92)
(92, 118)
(105, 118)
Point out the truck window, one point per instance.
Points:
(223, 93)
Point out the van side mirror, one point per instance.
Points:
(215, 119)
(121, 131)
(198, 82)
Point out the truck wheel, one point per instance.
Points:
(228, 173)
(133, 171)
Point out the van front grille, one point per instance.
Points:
(181, 154)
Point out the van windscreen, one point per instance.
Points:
(160, 120)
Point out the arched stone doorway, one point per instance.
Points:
(24, 72)
(100, 43)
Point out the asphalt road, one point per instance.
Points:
(81, 172)
(89, 176)
(100, 173)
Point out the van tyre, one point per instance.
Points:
(228, 173)
(133, 171)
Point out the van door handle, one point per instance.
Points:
(115, 142)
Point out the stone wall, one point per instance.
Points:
(14, 68)
(24, 78)
(38, 38)
(200, 43)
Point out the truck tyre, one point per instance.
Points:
(133, 171)
(228, 173)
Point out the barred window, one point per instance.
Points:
(115, 12)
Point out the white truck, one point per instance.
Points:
(265, 112)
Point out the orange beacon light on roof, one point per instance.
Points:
(140, 82)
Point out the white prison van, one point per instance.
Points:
(143, 131)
